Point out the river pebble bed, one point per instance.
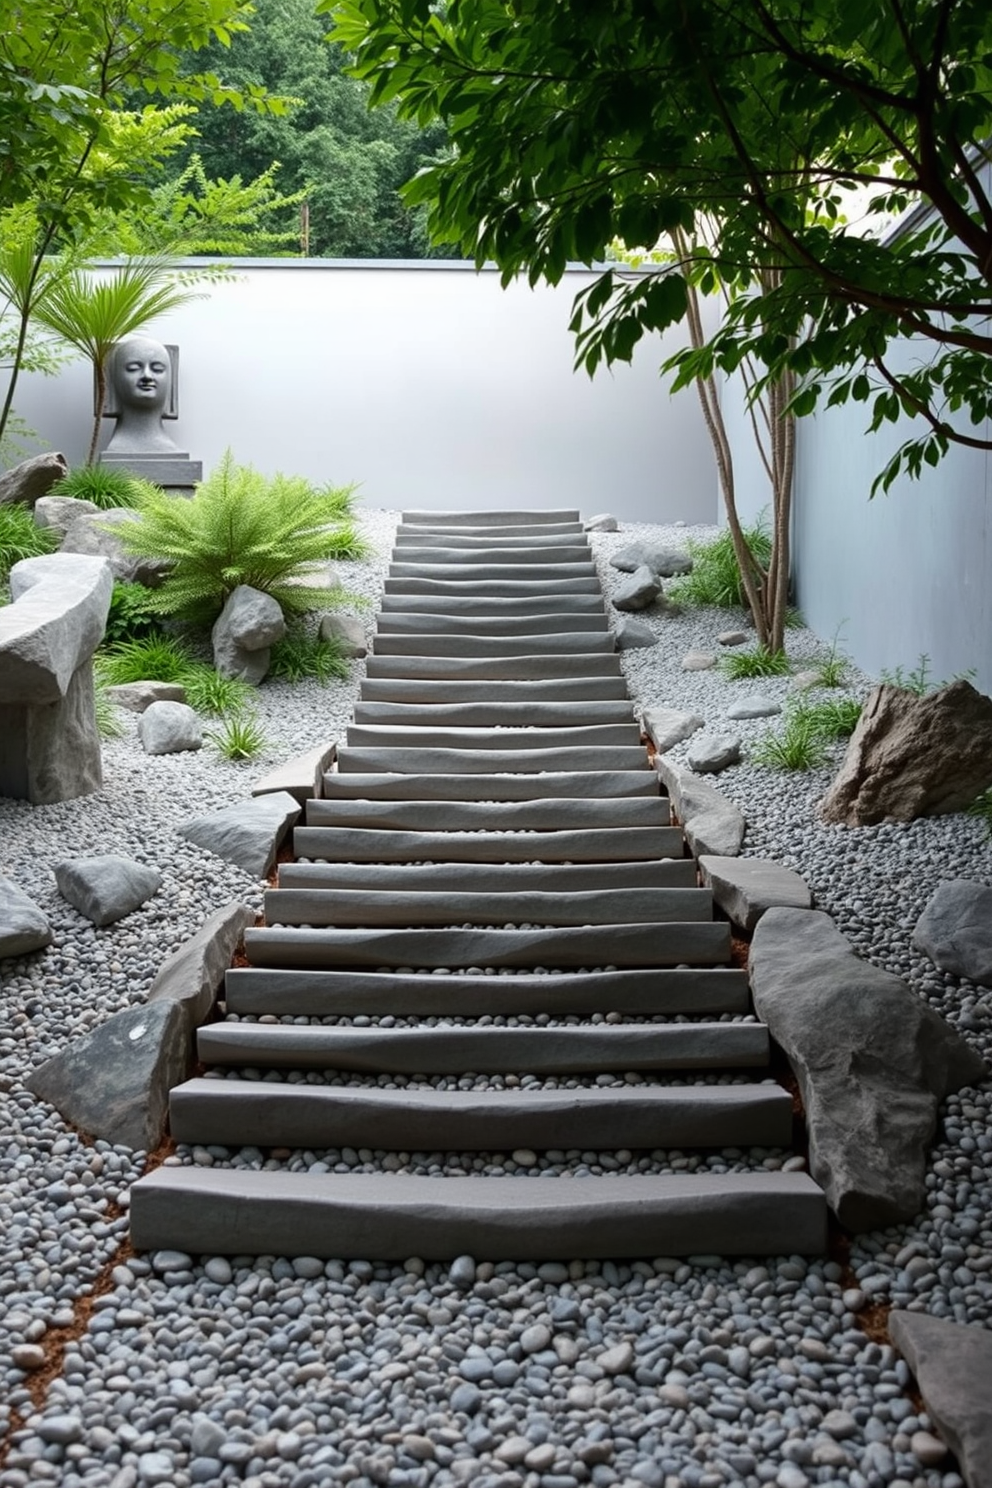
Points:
(121, 1370)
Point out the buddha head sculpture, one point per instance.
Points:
(142, 394)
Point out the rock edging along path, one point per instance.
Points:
(491, 816)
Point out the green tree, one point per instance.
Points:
(799, 127)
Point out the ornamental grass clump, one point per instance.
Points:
(716, 576)
(21, 537)
(757, 662)
(301, 654)
(103, 486)
(809, 729)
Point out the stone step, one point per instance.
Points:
(492, 878)
(418, 517)
(494, 668)
(702, 944)
(490, 572)
(547, 539)
(400, 760)
(212, 1211)
(461, 606)
(593, 736)
(442, 553)
(492, 714)
(665, 992)
(478, 786)
(423, 622)
(261, 1113)
(367, 845)
(548, 814)
(416, 908)
(557, 690)
(472, 643)
(452, 1051)
(547, 589)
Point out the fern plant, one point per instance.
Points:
(130, 616)
(21, 537)
(243, 527)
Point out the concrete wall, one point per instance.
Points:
(426, 383)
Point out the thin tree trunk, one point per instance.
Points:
(100, 367)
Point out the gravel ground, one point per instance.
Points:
(123, 1369)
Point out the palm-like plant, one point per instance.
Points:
(93, 314)
(243, 527)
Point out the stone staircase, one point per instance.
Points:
(492, 843)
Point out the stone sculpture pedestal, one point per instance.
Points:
(176, 473)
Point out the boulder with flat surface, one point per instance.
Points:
(710, 753)
(633, 635)
(710, 821)
(666, 727)
(107, 887)
(192, 975)
(955, 930)
(666, 562)
(746, 888)
(952, 1363)
(136, 697)
(873, 1062)
(32, 478)
(96, 535)
(24, 926)
(247, 832)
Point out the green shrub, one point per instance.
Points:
(758, 662)
(302, 654)
(918, 679)
(21, 537)
(153, 658)
(240, 737)
(716, 576)
(131, 614)
(242, 527)
(105, 486)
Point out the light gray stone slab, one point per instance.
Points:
(466, 606)
(595, 736)
(709, 753)
(210, 1211)
(548, 589)
(493, 878)
(698, 661)
(667, 562)
(591, 785)
(552, 813)
(170, 728)
(137, 696)
(492, 714)
(406, 759)
(247, 833)
(952, 1363)
(745, 888)
(955, 929)
(257, 1113)
(328, 993)
(423, 622)
(24, 926)
(493, 668)
(666, 727)
(758, 705)
(52, 627)
(872, 1060)
(711, 822)
(193, 975)
(361, 845)
(637, 592)
(114, 1082)
(548, 539)
(106, 887)
(554, 690)
(538, 643)
(301, 777)
(616, 945)
(419, 517)
(442, 556)
(490, 572)
(416, 908)
(547, 1051)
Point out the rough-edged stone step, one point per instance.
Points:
(582, 642)
(472, 573)
(493, 668)
(478, 786)
(257, 1113)
(442, 554)
(367, 845)
(536, 1051)
(492, 714)
(664, 992)
(212, 1211)
(420, 517)
(555, 690)
(550, 814)
(464, 606)
(593, 736)
(701, 944)
(547, 589)
(492, 878)
(414, 908)
(424, 622)
(548, 539)
(406, 759)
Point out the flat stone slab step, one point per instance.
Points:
(367, 845)
(494, 668)
(492, 714)
(424, 622)
(419, 517)
(452, 1051)
(259, 1113)
(397, 907)
(465, 606)
(478, 786)
(461, 555)
(470, 573)
(703, 944)
(492, 878)
(210, 1211)
(665, 992)
(399, 760)
(561, 813)
(593, 736)
(582, 642)
(548, 539)
(547, 589)
(554, 690)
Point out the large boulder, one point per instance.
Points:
(248, 625)
(32, 478)
(60, 512)
(664, 561)
(96, 534)
(639, 591)
(913, 756)
(24, 926)
(873, 1062)
(955, 930)
(51, 744)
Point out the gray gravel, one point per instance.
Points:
(211, 1370)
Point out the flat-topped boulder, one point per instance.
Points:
(247, 833)
(952, 1363)
(711, 822)
(745, 888)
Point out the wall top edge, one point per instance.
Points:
(417, 265)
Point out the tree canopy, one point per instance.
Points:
(781, 135)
